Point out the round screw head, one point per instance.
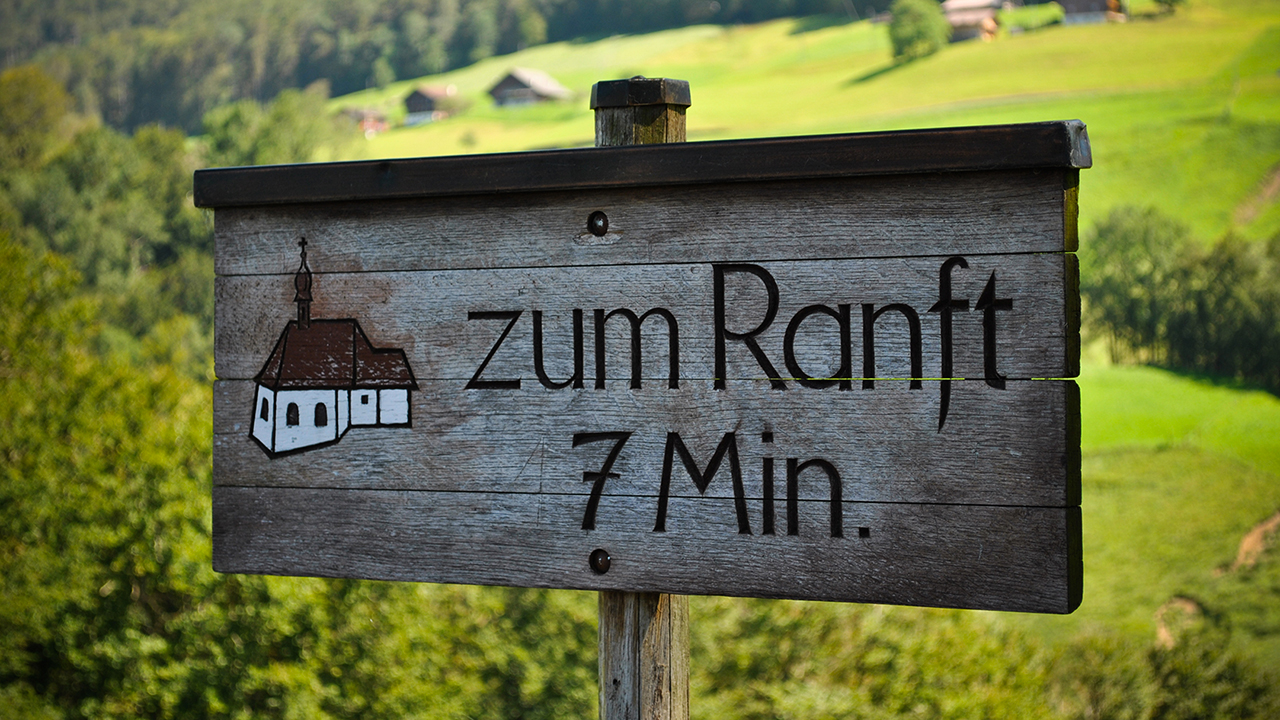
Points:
(598, 223)
(600, 561)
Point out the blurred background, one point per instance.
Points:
(108, 605)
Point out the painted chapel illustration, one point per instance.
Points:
(323, 378)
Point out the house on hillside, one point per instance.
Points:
(323, 378)
(426, 103)
(972, 18)
(523, 86)
(1079, 12)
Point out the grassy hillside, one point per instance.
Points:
(1183, 111)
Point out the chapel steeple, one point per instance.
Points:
(302, 285)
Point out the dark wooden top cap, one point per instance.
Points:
(1061, 144)
(639, 91)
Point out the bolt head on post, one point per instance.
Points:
(639, 111)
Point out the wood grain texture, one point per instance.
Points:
(982, 557)
(427, 315)
(643, 125)
(640, 634)
(998, 447)
(997, 147)
(941, 472)
(910, 215)
(644, 655)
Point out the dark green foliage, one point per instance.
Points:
(1103, 676)
(290, 129)
(1199, 676)
(1125, 269)
(1164, 299)
(1225, 318)
(1246, 594)
(119, 209)
(1202, 678)
(918, 29)
(171, 61)
(30, 117)
(770, 659)
(1168, 6)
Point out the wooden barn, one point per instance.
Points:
(523, 86)
(426, 103)
(972, 18)
(1076, 12)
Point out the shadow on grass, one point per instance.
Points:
(873, 74)
(597, 37)
(1217, 380)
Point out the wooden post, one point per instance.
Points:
(644, 637)
(639, 111)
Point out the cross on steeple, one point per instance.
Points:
(302, 286)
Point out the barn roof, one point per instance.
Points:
(333, 354)
(435, 92)
(536, 80)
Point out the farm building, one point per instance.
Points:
(1076, 12)
(972, 18)
(427, 103)
(523, 86)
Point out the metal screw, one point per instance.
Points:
(600, 561)
(598, 223)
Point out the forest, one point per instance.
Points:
(134, 62)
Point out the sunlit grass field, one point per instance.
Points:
(1183, 114)
(1176, 471)
(1183, 111)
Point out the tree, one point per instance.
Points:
(292, 129)
(31, 116)
(1126, 268)
(918, 29)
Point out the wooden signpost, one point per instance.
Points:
(829, 368)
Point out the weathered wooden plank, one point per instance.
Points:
(1035, 328)
(1063, 144)
(644, 655)
(982, 557)
(885, 439)
(937, 214)
(745, 438)
(1017, 446)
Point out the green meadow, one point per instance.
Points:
(1182, 111)
(1183, 114)
(1175, 471)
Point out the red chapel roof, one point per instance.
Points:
(333, 354)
